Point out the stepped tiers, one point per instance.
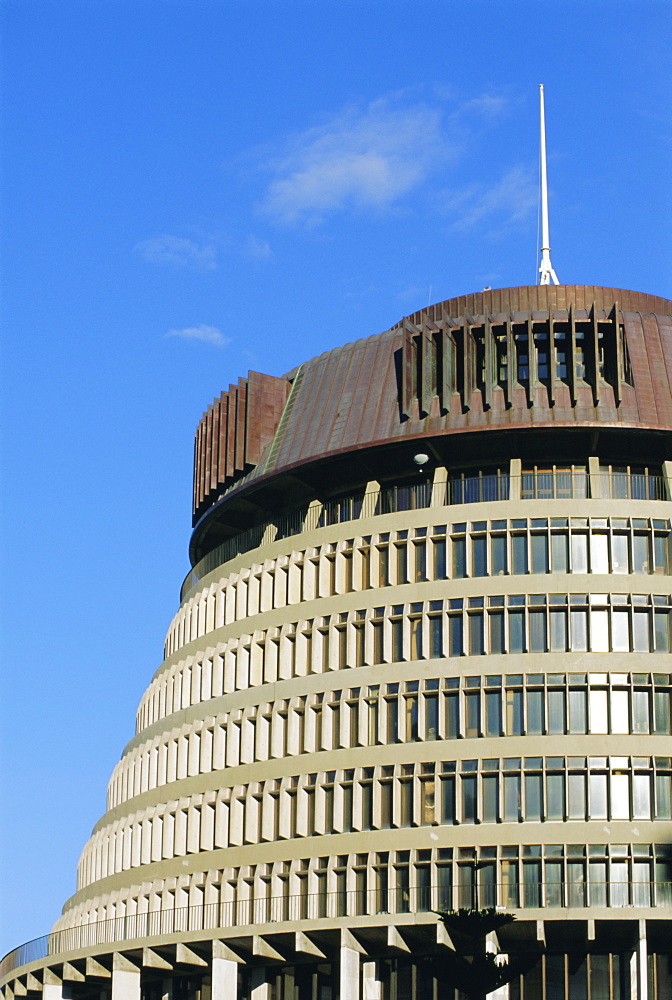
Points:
(422, 662)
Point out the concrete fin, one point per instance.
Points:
(348, 940)
(95, 968)
(443, 937)
(73, 974)
(187, 956)
(121, 963)
(222, 950)
(19, 988)
(304, 944)
(153, 960)
(33, 983)
(51, 978)
(263, 948)
(395, 940)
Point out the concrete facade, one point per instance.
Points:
(422, 662)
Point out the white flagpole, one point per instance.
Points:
(546, 273)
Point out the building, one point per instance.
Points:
(421, 662)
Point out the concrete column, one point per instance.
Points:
(594, 476)
(224, 979)
(259, 988)
(639, 986)
(439, 486)
(167, 989)
(372, 988)
(54, 988)
(349, 974)
(667, 476)
(515, 472)
(125, 979)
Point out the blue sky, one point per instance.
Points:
(192, 189)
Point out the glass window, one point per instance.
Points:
(455, 637)
(620, 796)
(620, 630)
(577, 796)
(514, 712)
(436, 636)
(516, 631)
(620, 722)
(535, 712)
(556, 712)
(641, 631)
(432, 716)
(577, 711)
(519, 553)
(493, 712)
(640, 711)
(512, 797)
(533, 802)
(558, 630)
(579, 623)
(579, 552)
(559, 552)
(641, 796)
(476, 635)
(661, 631)
(597, 879)
(619, 553)
(555, 796)
(539, 553)
(452, 716)
(499, 560)
(599, 631)
(490, 799)
(599, 553)
(598, 711)
(663, 797)
(473, 714)
(479, 566)
(661, 707)
(469, 799)
(640, 553)
(459, 558)
(439, 546)
(598, 796)
(576, 877)
(496, 620)
(619, 883)
(538, 631)
(448, 799)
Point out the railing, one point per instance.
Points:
(332, 905)
(536, 485)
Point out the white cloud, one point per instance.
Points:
(509, 201)
(206, 334)
(259, 249)
(178, 252)
(362, 158)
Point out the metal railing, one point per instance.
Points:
(312, 907)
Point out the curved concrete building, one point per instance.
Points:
(421, 662)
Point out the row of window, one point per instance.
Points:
(402, 881)
(498, 624)
(534, 789)
(433, 709)
(464, 549)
